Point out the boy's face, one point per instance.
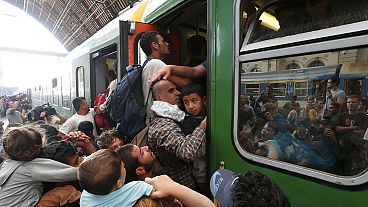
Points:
(193, 104)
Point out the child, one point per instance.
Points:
(102, 175)
(194, 101)
(22, 174)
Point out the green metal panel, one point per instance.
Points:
(162, 10)
(301, 190)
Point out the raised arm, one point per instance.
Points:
(164, 186)
(183, 71)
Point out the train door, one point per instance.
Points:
(101, 62)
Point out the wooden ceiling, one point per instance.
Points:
(72, 21)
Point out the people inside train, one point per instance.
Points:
(316, 114)
(110, 139)
(166, 140)
(83, 113)
(334, 94)
(350, 130)
(291, 105)
(102, 176)
(195, 101)
(23, 172)
(113, 82)
(156, 49)
(13, 115)
(196, 50)
(246, 189)
(139, 162)
(87, 128)
(245, 106)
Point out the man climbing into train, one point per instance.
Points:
(156, 48)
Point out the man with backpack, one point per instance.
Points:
(156, 48)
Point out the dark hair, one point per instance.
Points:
(335, 80)
(146, 41)
(130, 163)
(353, 96)
(107, 137)
(99, 172)
(195, 44)
(86, 127)
(23, 143)
(53, 138)
(77, 102)
(111, 74)
(59, 151)
(192, 88)
(254, 189)
(50, 130)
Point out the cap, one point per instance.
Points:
(221, 184)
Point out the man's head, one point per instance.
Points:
(102, 172)
(111, 139)
(248, 189)
(153, 44)
(334, 108)
(80, 105)
(87, 128)
(138, 161)
(165, 90)
(332, 82)
(352, 103)
(194, 99)
(363, 105)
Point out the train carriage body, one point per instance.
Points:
(294, 46)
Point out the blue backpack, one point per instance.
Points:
(126, 105)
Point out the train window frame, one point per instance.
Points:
(80, 81)
(55, 94)
(68, 86)
(286, 46)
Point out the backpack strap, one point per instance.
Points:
(144, 64)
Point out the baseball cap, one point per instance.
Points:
(221, 184)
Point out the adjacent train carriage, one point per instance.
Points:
(294, 46)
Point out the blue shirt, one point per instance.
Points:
(126, 196)
(205, 64)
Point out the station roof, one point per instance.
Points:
(72, 21)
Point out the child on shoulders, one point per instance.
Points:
(102, 176)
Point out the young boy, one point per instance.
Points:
(102, 175)
(194, 101)
(22, 173)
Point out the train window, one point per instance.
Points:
(301, 89)
(55, 95)
(80, 82)
(65, 91)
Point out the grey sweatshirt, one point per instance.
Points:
(21, 182)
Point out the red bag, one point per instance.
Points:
(102, 120)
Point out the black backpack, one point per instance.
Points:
(126, 105)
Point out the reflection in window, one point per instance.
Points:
(315, 63)
(292, 123)
(286, 18)
(292, 65)
(55, 95)
(65, 90)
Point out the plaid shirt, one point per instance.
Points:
(173, 149)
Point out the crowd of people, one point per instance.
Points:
(71, 162)
(326, 134)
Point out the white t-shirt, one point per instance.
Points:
(151, 67)
(72, 123)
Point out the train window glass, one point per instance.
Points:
(65, 91)
(55, 95)
(80, 82)
(289, 18)
(301, 89)
(304, 119)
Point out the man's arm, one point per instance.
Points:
(183, 71)
(164, 186)
(174, 141)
